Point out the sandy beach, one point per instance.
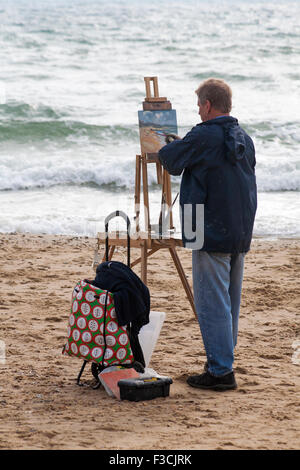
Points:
(42, 408)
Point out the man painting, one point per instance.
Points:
(217, 158)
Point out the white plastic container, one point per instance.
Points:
(149, 334)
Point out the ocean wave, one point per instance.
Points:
(285, 177)
(117, 176)
(234, 77)
(23, 123)
(109, 176)
(287, 133)
(27, 132)
(21, 111)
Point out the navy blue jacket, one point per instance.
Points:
(131, 295)
(217, 158)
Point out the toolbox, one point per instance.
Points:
(144, 389)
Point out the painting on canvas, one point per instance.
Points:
(154, 125)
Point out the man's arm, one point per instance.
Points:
(179, 154)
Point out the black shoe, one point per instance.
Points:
(210, 382)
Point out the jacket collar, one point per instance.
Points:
(220, 120)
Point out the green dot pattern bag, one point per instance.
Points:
(94, 333)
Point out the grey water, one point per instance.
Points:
(72, 82)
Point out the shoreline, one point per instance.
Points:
(66, 235)
(42, 408)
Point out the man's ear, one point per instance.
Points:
(208, 106)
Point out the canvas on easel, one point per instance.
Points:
(154, 125)
(156, 120)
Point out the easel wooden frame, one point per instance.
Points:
(148, 243)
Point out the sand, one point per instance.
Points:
(42, 408)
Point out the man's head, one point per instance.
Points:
(214, 99)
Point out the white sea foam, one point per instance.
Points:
(113, 176)
(118, 175)
(66, 174)
(285, 177)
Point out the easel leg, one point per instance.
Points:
(110, 254)
(146, 195)
(166, 200)
(144, 262)
(183, 278)
(169, 192)
(137, 196)
(149, 253)
(159, 173)
(169, 199)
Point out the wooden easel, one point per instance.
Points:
(152, 103)
(152, 239)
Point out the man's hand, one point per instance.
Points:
(170, 137)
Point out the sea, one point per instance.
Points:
(72, 83)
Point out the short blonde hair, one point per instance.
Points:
(217, 92)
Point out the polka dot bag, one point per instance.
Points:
(93, 331)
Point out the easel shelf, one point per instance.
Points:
(148, 247)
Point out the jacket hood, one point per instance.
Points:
(233, 136)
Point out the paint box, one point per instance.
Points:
(144, 389)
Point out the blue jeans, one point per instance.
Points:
(217, 282)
